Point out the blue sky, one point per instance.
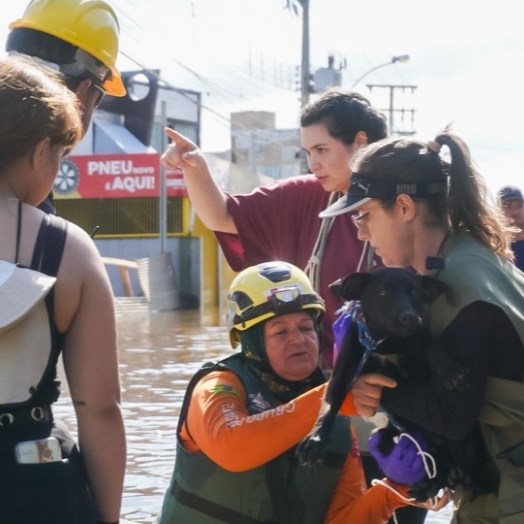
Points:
(466, 61)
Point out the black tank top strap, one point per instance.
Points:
(47, 255)
(18, 230)
(49, 245)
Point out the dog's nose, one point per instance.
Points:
(409, 320)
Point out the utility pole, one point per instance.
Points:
(392, 110)
(305, 84)
(162, 200)
(305, 75)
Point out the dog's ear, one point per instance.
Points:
(334, 287)
(433, 288)
(351, 286)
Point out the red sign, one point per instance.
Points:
(115, 176)
(175, 183)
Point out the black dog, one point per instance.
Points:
(394, 304)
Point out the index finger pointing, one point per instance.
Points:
(177, 138)
(174, 135)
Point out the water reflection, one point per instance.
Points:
(159, 353)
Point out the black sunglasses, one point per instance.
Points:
(100, 92)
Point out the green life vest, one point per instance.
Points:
(281, 491)
(475, 273)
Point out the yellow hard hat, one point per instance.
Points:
(268, 290)
(91, 25)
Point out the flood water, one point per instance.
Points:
(159, 352)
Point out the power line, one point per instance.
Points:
(256, 78)
(253, 132)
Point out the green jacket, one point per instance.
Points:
(281, 491)
(475, 273)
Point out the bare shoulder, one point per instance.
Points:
(80, 250)
(82, 280)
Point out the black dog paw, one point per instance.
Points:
(458, 479)
(423, 490)
(311, 451)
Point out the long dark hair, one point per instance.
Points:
(345, 113)
(466, 203)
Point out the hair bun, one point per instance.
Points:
(433, 146)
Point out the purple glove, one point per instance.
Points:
(404, 464)
(340, 328)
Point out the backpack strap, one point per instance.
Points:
(315, 260)
(47, 256)
(49, 245)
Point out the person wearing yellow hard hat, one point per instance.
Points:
(80, 39)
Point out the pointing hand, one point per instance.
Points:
(181, 152)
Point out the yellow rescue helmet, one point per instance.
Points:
(268, 290)
(91, 25)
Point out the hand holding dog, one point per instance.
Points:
(367, 392)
